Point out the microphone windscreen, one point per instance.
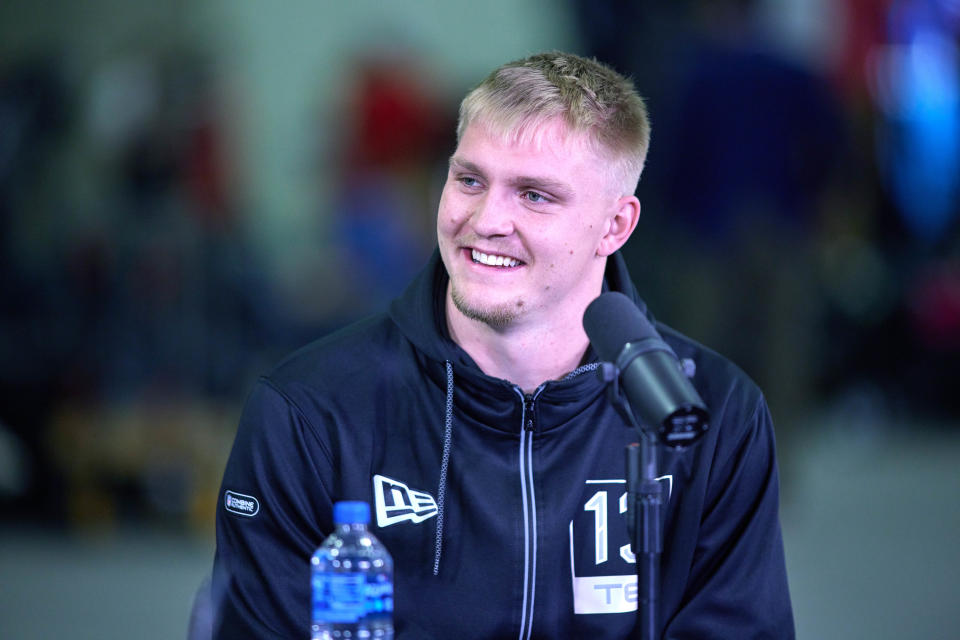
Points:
(613, 320)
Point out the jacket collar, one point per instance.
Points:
(420, 315)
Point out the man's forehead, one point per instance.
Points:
(535, 134)
(549, 157)
(552, 137)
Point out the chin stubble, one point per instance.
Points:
(497, 317)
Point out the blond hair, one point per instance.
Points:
(518, 98)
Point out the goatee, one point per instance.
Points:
(499, 317)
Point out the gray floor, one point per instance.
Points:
(870, 524)
(871, 532)
(136, 584)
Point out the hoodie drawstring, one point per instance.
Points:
(444, 463)
(590, 366)
(445, 459)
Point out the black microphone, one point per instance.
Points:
(660, 394)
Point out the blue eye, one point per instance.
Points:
(468, 181)
(534, 197)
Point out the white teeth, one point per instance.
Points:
(493, 260)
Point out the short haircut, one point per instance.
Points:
(516, 99)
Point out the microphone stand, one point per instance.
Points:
(644, 503)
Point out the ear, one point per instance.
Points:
(620, 225)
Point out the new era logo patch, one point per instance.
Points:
(396, 502)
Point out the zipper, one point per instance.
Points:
(527, 430)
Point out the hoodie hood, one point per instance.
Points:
(420, 311)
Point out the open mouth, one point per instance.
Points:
(494, 260)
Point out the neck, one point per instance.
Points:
(526, 354)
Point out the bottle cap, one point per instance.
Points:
(351, 512)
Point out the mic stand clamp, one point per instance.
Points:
(644, 506)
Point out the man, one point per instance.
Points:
(470, 417)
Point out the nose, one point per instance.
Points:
(492, 216)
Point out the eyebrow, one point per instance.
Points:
(554, 187)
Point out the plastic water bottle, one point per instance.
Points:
(352, 580)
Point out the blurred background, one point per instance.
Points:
(188, 191)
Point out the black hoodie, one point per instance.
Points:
(503, 511)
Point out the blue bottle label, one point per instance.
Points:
(338, 597)
(379, 595)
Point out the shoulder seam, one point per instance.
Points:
(749, 432)
(269, 382)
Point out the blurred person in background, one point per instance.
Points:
(470, 417)
(395, 134)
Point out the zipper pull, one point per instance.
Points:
(528, 412)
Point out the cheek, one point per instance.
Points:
(447, 218)
(446, 226)
(443, 223)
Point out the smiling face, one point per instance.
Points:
(524, 227)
